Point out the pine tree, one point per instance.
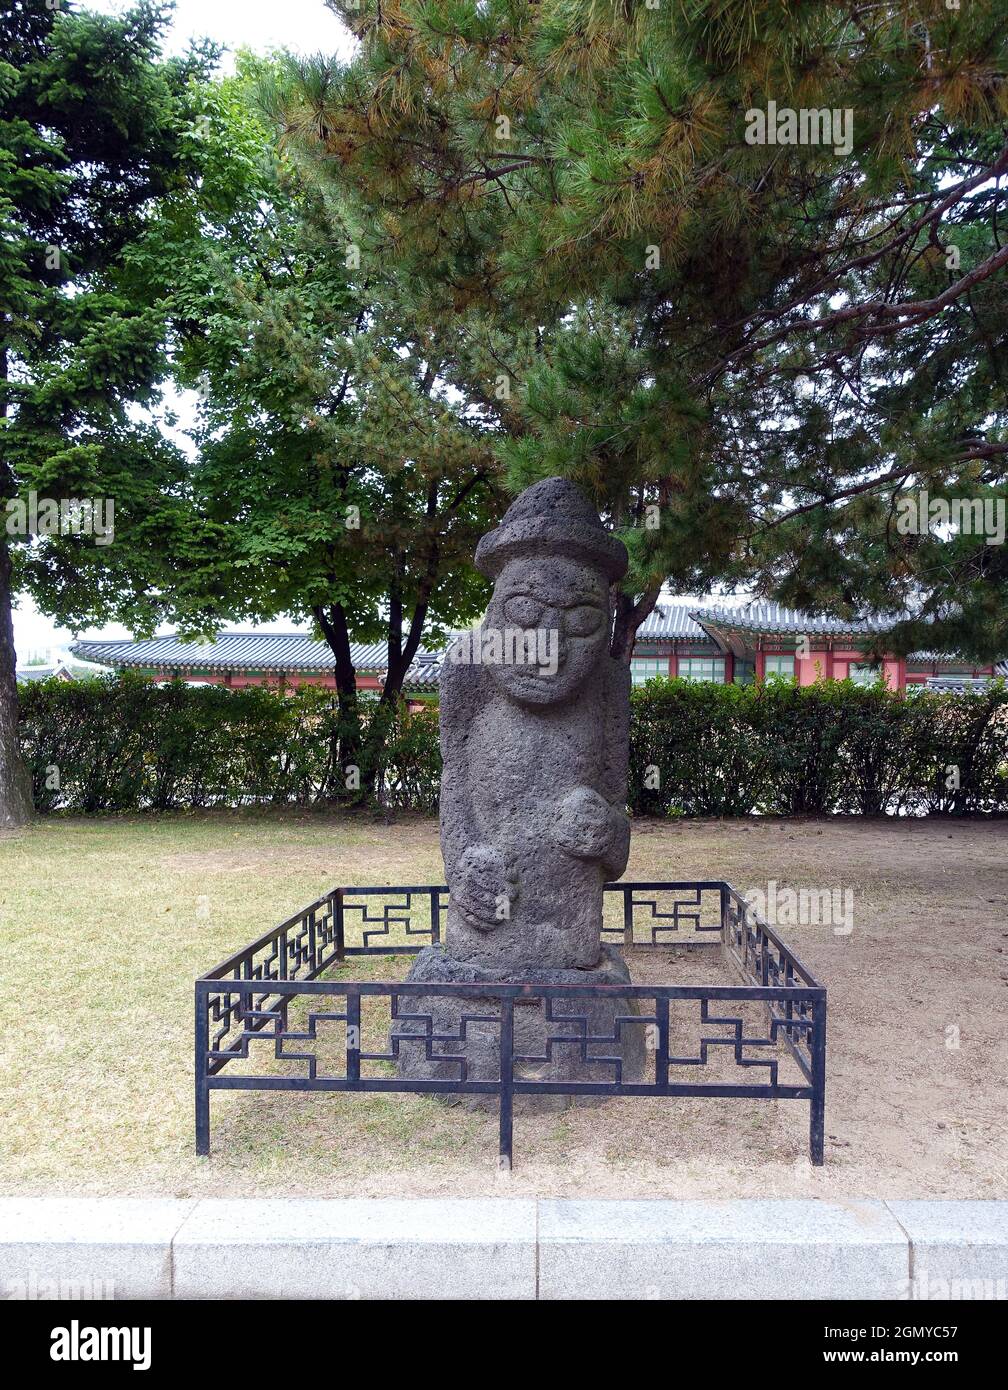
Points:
(755, 349)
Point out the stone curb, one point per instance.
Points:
(501, 1248)
(84, 1247)
(355, 1248)
(694, 1249)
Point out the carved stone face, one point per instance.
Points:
(566, 605)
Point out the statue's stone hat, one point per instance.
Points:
(552, 517)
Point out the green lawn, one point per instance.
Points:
(106, 923)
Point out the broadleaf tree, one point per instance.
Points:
(344, 462)
(92, 123)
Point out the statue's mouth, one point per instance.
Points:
(544, 674)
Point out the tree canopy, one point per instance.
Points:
(344, 466)
(763, 239)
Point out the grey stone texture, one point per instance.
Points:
(959, 1250)
(58, 1248)
(534, 736)
(533, 796)
(757, 1248)
(354, 1248)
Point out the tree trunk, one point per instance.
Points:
(629, 616)
(347, 762)
(15, 782)
(400, 658)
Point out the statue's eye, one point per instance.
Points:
(583, 620)
(522, 610)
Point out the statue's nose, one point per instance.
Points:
(552, 622)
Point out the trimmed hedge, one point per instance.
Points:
(783, 749)
(695, 749)
(129, 745)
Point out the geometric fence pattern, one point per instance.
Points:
(245, 1004)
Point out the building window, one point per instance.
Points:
(745, 671)
(702, 668)
(645, 668)
(861, 674)
(779, 665)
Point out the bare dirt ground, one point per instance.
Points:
(105, 925)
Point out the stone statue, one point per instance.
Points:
(533, 801)
(534, 718)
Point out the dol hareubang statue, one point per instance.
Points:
(534, 717)
(533, 797)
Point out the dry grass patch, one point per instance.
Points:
(106, 923)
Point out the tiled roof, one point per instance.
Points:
(27, 674)
(424, 673)
(231, 651)
(251, 651)
(956, 683)
(942, 659)
(772, 617)
(672, 620)
(685, 620)
(669, 622)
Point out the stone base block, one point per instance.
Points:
(468, 1030)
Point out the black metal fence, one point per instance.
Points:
(246, 1002)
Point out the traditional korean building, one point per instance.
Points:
(720, 641)
(237, 659)
(750, 641)
(53, 670)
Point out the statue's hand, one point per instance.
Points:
(587, 827)
(483, 887)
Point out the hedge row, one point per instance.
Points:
(128, 745)
(695, 749)
(832, 747)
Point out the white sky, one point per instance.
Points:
(303, 26)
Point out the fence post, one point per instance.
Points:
(353, 1035)
(506, 1083)
(817, 1106)
(338, 914)
(764, 956)
(662, 1051)
(202, 1086)
(727, 947)
(283, 973)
